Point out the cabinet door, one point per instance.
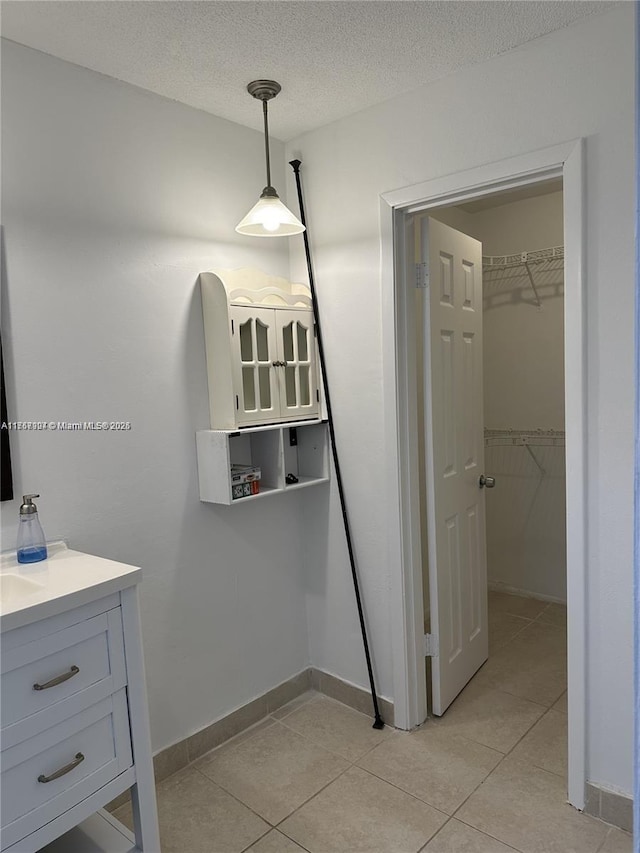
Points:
(297, 377)
(254, 343)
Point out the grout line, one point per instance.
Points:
(276, 825)
(237, 799)
(403, 790)
(315, 742)
(517, 696)
(234, 742)
(369, 751)
(604, 841)
(308, 800)
(306, 702)
(282, 832)
(437, 832)
(255, 841)
(488, 834)
(273, 829)
(505, 755)
(532, 763)
(524, 628)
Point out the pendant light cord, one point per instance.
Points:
(378, 722)
(266, 141)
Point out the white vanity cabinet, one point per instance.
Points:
(261, 349)
(74, 730)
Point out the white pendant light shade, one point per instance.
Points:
(270, 218)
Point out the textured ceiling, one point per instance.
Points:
(332, 58)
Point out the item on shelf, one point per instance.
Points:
(244, 473)
(245, 490)
(290, 479)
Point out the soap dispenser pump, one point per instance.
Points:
(32, 546)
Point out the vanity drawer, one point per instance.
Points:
(90, 748)
(48, 679)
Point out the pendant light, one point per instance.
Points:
(269, 217)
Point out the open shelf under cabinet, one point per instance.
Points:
(300, 449)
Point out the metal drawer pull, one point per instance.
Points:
(63, 770)
(59, 679)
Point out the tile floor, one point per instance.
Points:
(487, 777)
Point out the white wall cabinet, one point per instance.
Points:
(300, 449)
(260, 349)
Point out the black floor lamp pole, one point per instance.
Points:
(378, 722)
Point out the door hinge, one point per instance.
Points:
(430, 646)
(317, 395)
(422, 275)
(237, 403)
(233, 331)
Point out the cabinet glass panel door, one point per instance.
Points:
(255, 349)
(298, 390)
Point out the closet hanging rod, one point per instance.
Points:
(524, 438)
(553, 433)
(491, 263)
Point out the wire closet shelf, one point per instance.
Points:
(538, 264)
(528, 439)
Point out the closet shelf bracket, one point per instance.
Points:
(533, 284)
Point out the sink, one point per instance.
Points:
(15, 586)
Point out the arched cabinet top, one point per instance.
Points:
(249, 286)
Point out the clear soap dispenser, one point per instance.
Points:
(31, 542)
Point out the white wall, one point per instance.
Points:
(524, 345)
(113, 201)
(576, 82)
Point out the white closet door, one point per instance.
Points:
(454, 450)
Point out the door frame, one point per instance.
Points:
(398, 347)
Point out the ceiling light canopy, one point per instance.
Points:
(269, 217)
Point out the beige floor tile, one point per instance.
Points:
(486, 716)
(526, 807)
(440, 768)
(561, 704)
(275, 842)
(516, 605)
(617, 841)
(359, 813)
(220, 731)
(545, 745)
(456, 837)
(198, 816)
(503, 627)
(336, 728)
(532, 666)
(296, 703)
(273, 772)
(234, 742)
(555, 614)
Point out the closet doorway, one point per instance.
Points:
(399, 210)
(490, 389)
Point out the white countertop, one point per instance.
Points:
(66, 579)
